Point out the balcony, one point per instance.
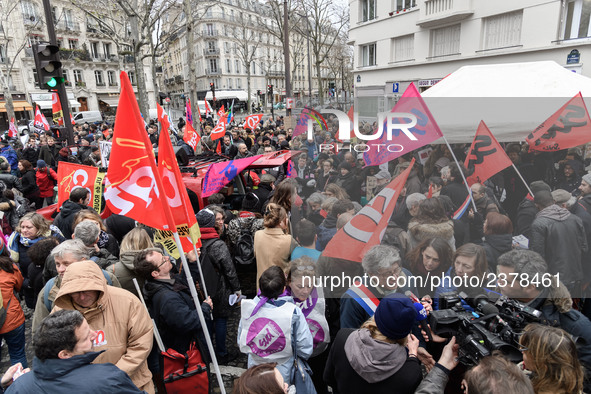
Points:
(66, 26)
(212, 71)
(276, 74)
(100, 84)
(178, 79)
(81, 84)
(439, 12)
(211, 51)
(210, 33)
(74, 54)
(99, 58)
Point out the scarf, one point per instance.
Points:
(103, 239)
(209, 233)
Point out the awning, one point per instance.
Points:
(18, 106)
(110, 101)
(239, 95)
(48, 104)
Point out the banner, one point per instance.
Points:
(12, 129)
(73, 176)
(219, 130)
(220, 174)
(56, 108)
(366, 229)
(191, 136)
(177, 199)
(570, 126)
(252, 121)
(424, 132)
(486, 157)
(40, 121)
(131, 186)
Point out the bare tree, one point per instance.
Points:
(10, 44)
(247, 40)
(340, 64)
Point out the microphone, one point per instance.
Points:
(412, 297)
(422, 319)
(481, 302)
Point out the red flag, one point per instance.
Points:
(366, 229)
(221, 112)
(208, 108)
(132, 188)
(72, 119)
(73, 176)
(219, 130)
(424, 132)
(40, 121)
(191, 137)
(569, 126)
(56, 108)
(486, 157)
(163, 119)
(12, 129)
(177, 198)
(220, 174)
(252, 121)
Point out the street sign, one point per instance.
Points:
(167, 99)
(289, 103)
(573, 57)
(358, 78)
(395, 87)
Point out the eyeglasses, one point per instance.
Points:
(164, 260)
(304, 268)
(523, 348)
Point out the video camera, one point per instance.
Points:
(492, 326)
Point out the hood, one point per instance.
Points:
(577, 166)
(127, 258)
(554, 212)
(329, 222)
(81, 276)
(53, 368)
(373, 360)
(421, 231)
(500, 242)
(69, 208)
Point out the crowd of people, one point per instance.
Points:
(75, 274)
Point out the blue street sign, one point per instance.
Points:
(395, 87)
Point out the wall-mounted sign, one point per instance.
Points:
(573, 57)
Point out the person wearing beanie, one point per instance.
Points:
(559, 237)
(46, 180)
(379, 356)
(214, 251)
(348, 181)
(568, 176)
(243, 227)
(527, 211)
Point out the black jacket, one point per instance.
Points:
(456, 191)
(29, 182)
(65, 218)
(526, 213)
(494, 246)
(11, 181)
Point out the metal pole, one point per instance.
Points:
(61, 88)
(523, 180)
(461, 173)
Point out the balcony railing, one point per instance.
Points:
(212, 71)
(98, 84)
(81, 84)
(211, 51)
(64, 25)
(276, 73)
(439, 12)
(210, 33)
(74, 54)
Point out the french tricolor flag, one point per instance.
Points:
(462, 209)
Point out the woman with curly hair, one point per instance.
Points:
(431, 221)
(551, 355)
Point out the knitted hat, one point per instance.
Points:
(41, 164)
(250, 202)
(587, 178)
(561, 196)
(537, 186)
(395, 316)
(345, 165)
(544, 198)
(205, 218)
(383, 175)
(64, 152)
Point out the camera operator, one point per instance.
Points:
(554, 301)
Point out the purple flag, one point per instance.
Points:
(220, 174)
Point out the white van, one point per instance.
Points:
(87, 117)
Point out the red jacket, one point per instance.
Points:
(45, 178)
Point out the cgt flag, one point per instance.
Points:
(163, 119)
(219, 130)
(40, 120)
(73, 176)
(178, 201)
(422, 133)
(56, 108)
(366, 229)
(252, 121)
(486, 157)
(220, 174)
(222, 112)
(12, 129)
(568, 127)
(191, 136)
(131, 187)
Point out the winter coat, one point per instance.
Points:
(559, 237)
(434, 382)
(11, 157)
(11, 181)
(45, 178)
(48, 154)
(456, 191)
(235, 225)
(413, 183)
(29, 182)
(31, 154)
(418, 232)
(123, 270)
(73, 375)
(9, 283)
(262, 193)
(326, 230)
(485, 205)
(173, 309)
(122, 318)
(272, 247)
(228, 283)
(65, 219)
(357, 363)
(526, 213)
(582, 209)
(351, 184)
(494, 246)
(323, 180)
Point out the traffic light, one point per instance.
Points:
(212, 87)
(258, 92)
(49, 68)
(270, 90)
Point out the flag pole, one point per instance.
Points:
(200, 270)
(461, 173)
(522, 180)
(156, 331)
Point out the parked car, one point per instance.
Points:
(87, 117)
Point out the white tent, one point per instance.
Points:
(238, 95)
(512, 99)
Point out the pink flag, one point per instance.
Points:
(12, 129)
(220, 174)
(404, 140)
(189, 112)
(302, 125)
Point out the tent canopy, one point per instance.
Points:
(238, 95)
(512, 99)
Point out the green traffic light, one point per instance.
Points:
(52, 83)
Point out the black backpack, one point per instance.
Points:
(244, 248)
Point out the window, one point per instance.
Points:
(98, 78)
(445, 41)
(131, 75)
(94, 49)
(107, 49)
(54, 15)
(237, 66)
(404, 48)
(228, 66)
(209, 29)
(66, 77)
(229, 83)
(29, 10)
(502, 30)
(368, 10)
(112, 78)
(238, 83)
(226, 46)
(73, 44)
(368, 55)
(68, 19)
(2, 54)
(78, 77)
(399, 5)
(232, 15)
(213, 65)
(576, 23)
(254, 68)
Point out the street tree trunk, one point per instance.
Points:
(191, 81)
(320, 90)
(139, 67)
(6, 91)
